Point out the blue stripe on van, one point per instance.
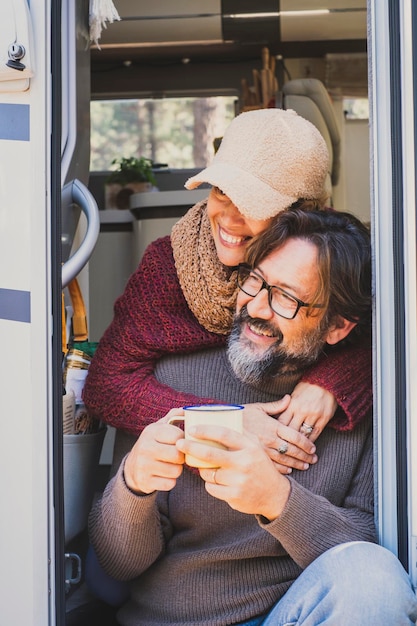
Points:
(15, 305)
(14, 122)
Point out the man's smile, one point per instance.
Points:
(260, 329)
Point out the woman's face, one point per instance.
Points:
(231, 230)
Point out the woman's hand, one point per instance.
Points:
(288, 448)
(310, 409)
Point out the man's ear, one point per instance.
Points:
(339, 330)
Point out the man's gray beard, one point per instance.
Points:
(253, 367)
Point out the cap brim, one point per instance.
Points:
(255, 199)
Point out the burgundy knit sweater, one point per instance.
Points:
(152, 319)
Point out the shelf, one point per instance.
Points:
(157, 204)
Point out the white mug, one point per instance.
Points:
(229, 415)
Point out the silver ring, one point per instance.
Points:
(306, 428)
(213, 478)
(283, 449)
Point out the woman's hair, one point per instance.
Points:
(343, 254)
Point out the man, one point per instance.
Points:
(244, 543)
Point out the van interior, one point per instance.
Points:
(163, 82)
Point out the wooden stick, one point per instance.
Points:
(257, 86)
(265, 88)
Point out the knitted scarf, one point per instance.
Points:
(209, 287)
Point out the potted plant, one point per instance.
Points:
(132, 175)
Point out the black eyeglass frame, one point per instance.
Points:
(265, 285)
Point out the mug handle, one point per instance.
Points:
(174, 419)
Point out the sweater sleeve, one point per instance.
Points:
(151, 319)
(135, 526)
(350, 518)
(346, 372)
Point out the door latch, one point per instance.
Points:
(16, 52)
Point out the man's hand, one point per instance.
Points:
(155, 463)
(245, 477)
(273, 435)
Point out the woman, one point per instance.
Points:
(182, 296)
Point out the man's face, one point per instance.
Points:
(262, 343)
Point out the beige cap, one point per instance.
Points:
(267, 160)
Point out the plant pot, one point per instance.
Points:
(117, 196)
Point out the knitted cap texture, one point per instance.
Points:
(267, 160)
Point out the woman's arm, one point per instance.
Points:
(338, 386)
(346, 373)
(151, 319)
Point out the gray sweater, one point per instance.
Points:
(194, 561)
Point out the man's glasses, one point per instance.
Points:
(282, 303)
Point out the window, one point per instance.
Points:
(356, 108)
(178, 132)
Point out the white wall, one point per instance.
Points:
(352, 192)
(357, 168)
(110, 266)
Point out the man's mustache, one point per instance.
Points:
(259, 324)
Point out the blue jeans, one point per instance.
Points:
(103, 586)
(352, 584)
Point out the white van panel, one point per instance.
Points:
(384, 344)
(26, 591)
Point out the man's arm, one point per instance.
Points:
(128, 527)
(136, 536)
(310, 524)
(307, 513)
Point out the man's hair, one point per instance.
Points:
(343, 255)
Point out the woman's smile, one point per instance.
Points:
(233, 240)
(231, 230)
